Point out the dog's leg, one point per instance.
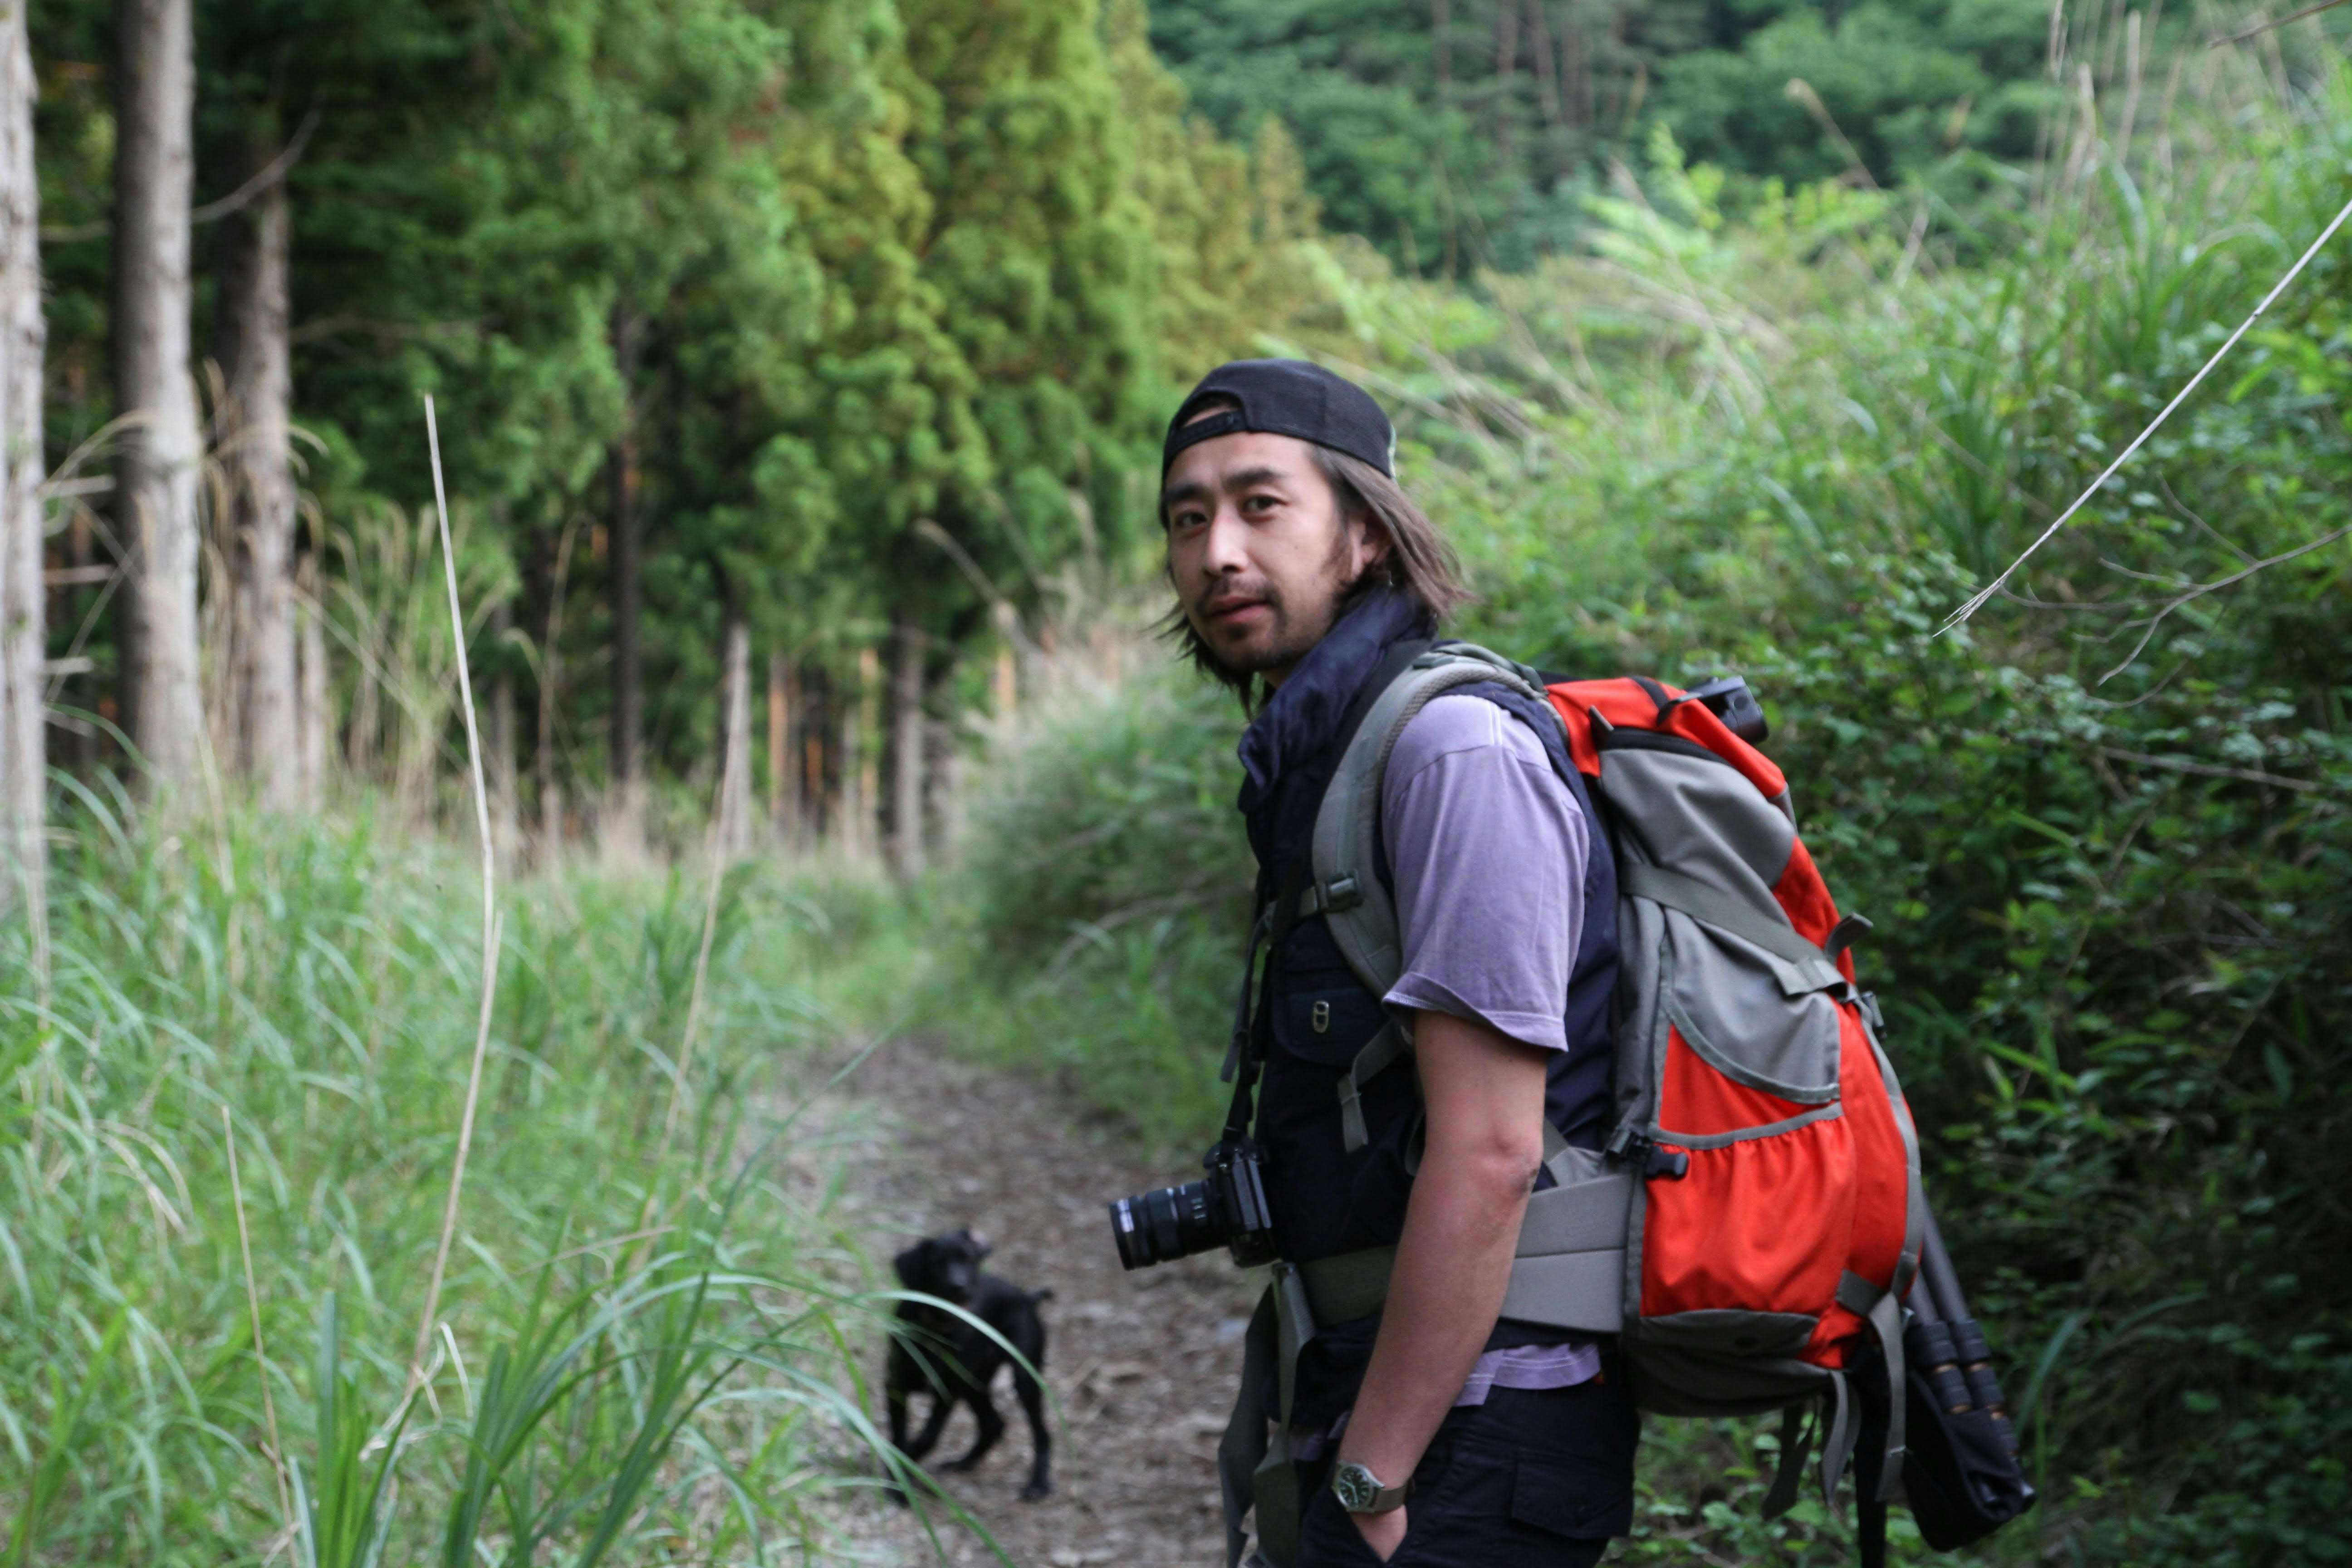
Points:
(928, 1437)
(992, 1427)
(1033, 1405)
(895, 1399)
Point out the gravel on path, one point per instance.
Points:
(1141, 1366)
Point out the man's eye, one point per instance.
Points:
(1259, 503)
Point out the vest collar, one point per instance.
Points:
(1306, 712)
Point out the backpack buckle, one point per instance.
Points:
(1867, 1001)
(1632, 1147)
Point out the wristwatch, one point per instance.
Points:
(1360, 1491)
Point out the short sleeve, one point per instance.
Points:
(1488, 851)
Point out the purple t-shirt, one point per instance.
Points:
(1488, 851)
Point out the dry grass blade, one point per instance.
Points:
(489, 918)
(1961, 616)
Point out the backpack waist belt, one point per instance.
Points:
(1569, 1273)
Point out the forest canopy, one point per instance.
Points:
(808, 318)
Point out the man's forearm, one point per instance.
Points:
(1453, 1267)
(1485, 1098)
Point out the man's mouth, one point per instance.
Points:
(1228, 612)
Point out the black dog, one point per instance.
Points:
(938, 1350)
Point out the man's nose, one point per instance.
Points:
(1225, 547)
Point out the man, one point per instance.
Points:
(1431, 1427)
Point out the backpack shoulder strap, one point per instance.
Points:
(1348, 889)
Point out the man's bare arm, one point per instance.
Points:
(1483, 1092)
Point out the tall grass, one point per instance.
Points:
(599, 1389)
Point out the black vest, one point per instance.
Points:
(1313, 1016)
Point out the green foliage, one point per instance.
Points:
(1464, 134)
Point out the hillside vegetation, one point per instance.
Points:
(2101, 828)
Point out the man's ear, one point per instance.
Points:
(912, 1266)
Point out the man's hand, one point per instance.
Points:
(1483, 1092)
(1383, 1532)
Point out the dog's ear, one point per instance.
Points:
(913, 1265)
(981, 1246)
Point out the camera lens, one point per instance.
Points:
(1173, 1222)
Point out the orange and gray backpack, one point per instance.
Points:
(1755, 1221)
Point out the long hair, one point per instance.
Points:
(1419, 561)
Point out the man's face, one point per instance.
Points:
(1259, 551)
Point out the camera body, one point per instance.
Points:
(1224, 1208)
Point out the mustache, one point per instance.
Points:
(1223, 595)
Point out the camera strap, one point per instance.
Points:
(1272, 927)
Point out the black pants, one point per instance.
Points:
(1532, 1478)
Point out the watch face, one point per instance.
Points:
(1357, 1488)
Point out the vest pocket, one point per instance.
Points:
(1327, 1027)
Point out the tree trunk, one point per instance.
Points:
(1507, 86)
(782, 776)
(943, 767)
(1441, 36)
(907, 750)
(314, 726)
(1547, 65)
(257, 466)
(819, 812)
(1576, 68)
(735, 739)
(626, 830)
(861, 757)
(550, 695)
(24, 340)
(849, 833)
(81, 553)
(155, 84)
(1004, 684)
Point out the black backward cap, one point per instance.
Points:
(1286, 398)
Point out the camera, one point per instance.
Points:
(1227, 1207)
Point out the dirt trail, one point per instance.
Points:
(1143, 1366)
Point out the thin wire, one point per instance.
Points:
(2261, 29)
(1961, 614)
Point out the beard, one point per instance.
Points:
(1290, 636)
